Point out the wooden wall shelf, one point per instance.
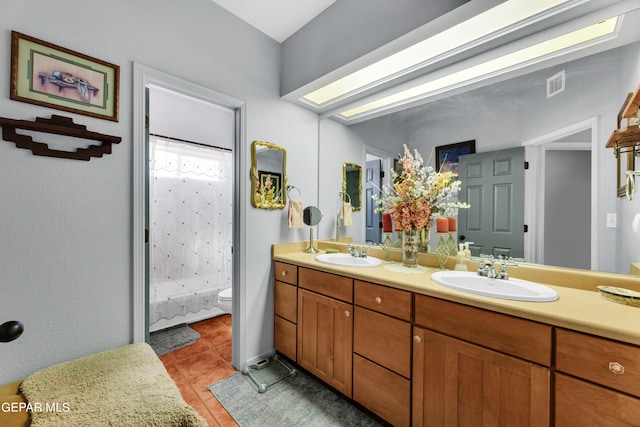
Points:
(58, 125)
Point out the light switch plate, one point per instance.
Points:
(612, 220)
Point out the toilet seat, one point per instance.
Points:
(226, 294)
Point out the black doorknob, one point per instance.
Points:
(461, 237)
(11, 330)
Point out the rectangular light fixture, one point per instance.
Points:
(478, 29)
(488, 69)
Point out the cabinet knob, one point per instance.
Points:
(417, 339)
(378, 300)
(284, 273)
(616, 368)
(346, 313)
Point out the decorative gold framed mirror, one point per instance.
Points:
(268, 175)
(352, 185)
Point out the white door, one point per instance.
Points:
(493, 184)
(373, 229)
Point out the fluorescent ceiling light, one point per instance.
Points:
(477, 29)
(490, 68)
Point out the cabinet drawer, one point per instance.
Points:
(393, 302)
(610, 363)
(284, 337)
(327, 284)
(381, 391)
(286, 273)
(579, 403)
(511, 335)
(384, 340)
(285, 302)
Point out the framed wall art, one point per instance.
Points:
(52, 76)
(447, 155)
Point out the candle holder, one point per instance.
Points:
(451, 244)
(387, 244)
(442, 250)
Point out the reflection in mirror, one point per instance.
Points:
(268, 175)
(352, 184)
(311, 216)
(516, 112)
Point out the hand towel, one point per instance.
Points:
(346, 213)
(295, 213)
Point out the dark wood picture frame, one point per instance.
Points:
(447, 155)
(52, 76)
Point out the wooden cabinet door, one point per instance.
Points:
(579, 403)
(325, 339)
(460, 384)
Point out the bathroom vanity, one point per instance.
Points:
(417, 353)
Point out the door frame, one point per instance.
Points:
(386, 163)
(144, 76)
(534, 153)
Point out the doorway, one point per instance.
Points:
(144, 77)
(377, 174)
(541, 153)
(190, 208)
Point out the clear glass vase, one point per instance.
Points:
(410, 241)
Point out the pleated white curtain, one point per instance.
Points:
(190, 218)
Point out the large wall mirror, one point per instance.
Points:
(268, 175)
(515, 110)
(352, 184)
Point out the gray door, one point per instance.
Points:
(373, 229)
(493, 184)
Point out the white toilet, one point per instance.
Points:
(224, 299)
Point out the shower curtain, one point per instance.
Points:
(190, 217)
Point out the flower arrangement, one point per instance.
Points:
(419, 194)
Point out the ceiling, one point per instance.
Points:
(278, 19)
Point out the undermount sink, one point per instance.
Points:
(511, 289)
(348, 260)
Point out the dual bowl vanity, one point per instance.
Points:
(416, 352)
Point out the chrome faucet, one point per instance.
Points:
(354, 251)
(486, 267)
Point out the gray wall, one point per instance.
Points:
(66, 244)
(357, 27)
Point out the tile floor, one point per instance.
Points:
(208, 360)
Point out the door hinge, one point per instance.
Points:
(526, 165)
(526, 228)
(381, 174)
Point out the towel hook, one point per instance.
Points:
(292, 187)
(342, 195)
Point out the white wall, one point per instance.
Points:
(339, 145)
(66, 244)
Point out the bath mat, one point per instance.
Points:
(295, 401)
(173, 338)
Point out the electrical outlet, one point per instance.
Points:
(612, 220)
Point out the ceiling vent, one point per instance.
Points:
(555, 84)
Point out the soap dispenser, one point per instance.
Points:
(461, 265)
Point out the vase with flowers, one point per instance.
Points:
(417, 196)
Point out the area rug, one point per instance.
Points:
(173, 338)
(296, 401)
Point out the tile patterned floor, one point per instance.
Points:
(205, 362)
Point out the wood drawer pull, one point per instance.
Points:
(346, 313)
(284, 273)
(378, 300)
(616, 368)
(417, 339)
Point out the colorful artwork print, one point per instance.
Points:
(52, 76)
(67, 80)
